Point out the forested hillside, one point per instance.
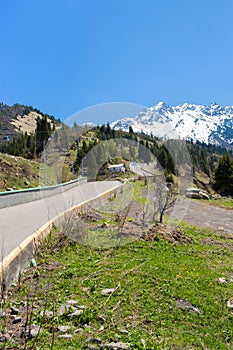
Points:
(18, 120)
(76, 142)
(204, 158)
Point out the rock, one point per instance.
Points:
(184, 304)
(34, 332)
(33, 263)
(17, 320)
(196, 193)
(66, 307)
(14, 311)
(117, 346)
(216, 196)
(107, 291)
(78, 330)
(222, 280)
(46, 313)
(4, 339)
(76, 313)
(63, 309)
(230, 304)
(63, 329)
(65, 336)
(3, 313)
(101, 318)
(94, 340)
(204, 195)
(26, 183)
(72, 302)
(81, 307)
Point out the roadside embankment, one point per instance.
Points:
(20, 239)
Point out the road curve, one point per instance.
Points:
(20, 221)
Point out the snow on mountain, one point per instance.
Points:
(208, 124)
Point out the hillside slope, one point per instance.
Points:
(18, 172)
(17, 119)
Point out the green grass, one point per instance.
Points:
(17, 170)
(149, 277)
(222, 202)
(138, 193)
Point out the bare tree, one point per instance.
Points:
(163, 198)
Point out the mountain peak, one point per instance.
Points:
(161, 104)
(205, 123)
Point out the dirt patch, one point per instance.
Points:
(27, 123)
(92, 216)
(168, 233)
(129, 223)
(215, 242)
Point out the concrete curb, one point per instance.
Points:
(14, 263)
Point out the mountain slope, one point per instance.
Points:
(18, 119)
(18, 172)
(209, 124)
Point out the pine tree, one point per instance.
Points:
(131, 130)
(223, 176)
(43, 132)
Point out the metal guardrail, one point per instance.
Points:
(10, 198)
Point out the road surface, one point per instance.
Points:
(204, 214)
(20, 221)
(142, 169)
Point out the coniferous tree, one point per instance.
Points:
(43, 132)
(131, 132)
(223, 176)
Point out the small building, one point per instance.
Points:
(117, 168)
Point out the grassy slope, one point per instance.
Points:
(17, 170)
(24, 173)
(224, 202)
(149, 277)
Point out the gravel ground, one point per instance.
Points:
(204, 214)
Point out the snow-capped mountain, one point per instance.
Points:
(208, 124)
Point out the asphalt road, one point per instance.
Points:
(20, 221)
(142, 169)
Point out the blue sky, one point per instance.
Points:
(64, 56)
